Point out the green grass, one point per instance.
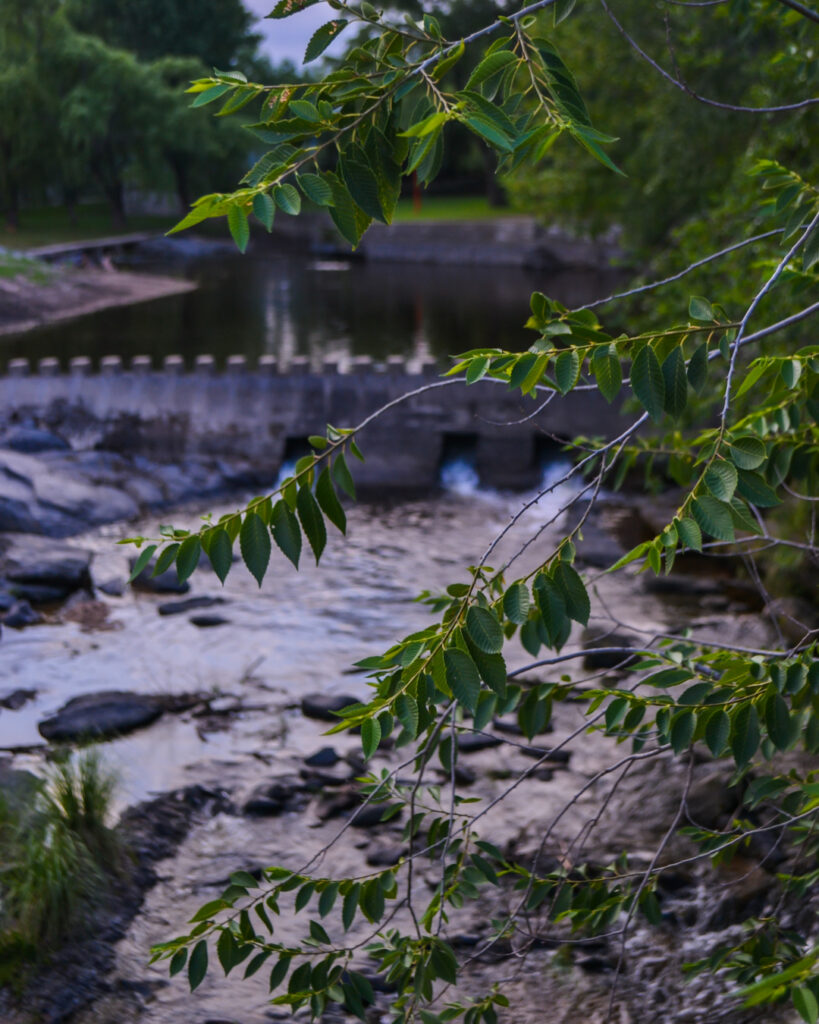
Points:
(445, 208)
(12, 265)
(49, 225)
(57, 857)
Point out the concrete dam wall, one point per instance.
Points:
(263, 414)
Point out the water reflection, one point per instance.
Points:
(289, 304)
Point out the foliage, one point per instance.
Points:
(58, 854)
(717, 400)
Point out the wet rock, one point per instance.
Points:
(325, 706)
(464, 775)
(208, 621)
(21, 615)
(335, 804)
(597, 643)
(269, 799)
(188, 605)
(112, 588)
(29, 561)
(98, 715)
(511, 727)
(13, 700)
(371, 815)
(595, 964)
(542, 774)
(32, 440)
(561, 757)
(6, 600)
(317, 778)
(326, 757)
(710, 802)
(472, 742)
(165, 583)
(385, 856)
(37, 593)
(745, 897)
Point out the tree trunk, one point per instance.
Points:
(494, 192)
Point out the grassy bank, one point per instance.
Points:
(49, 225)
(454, 208)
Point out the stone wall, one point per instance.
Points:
(263, 415)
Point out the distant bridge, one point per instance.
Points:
(265, 413)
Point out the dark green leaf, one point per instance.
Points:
(647, 382)
(142, 560)
(490, 66)
(220, 553)
(198, 964)
(462, 677)
(322, 38)
(778, 722)
(328, 500)
(316, 189)
(254, 541)
(698, 368)
(682, 729)
(721, 479)
(370, 737)
(717, 731)
(606, 368)
(574, 593)
(744, 734)
(264, 209)
(165, 559)
(287, 199)
(516, 603)
(187, 557)
(239, 227)
(178, 961)
(747, 452)
(484, 630)
(286, 532)
(676, 383)
(689, 533)
(312, 521)
(363, 187)
(754, 489)
(343, 477)
(700, 309)
(713, 517)
(567, 369)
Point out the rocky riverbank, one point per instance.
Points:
(224, 766)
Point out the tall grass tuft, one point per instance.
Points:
(57, 855)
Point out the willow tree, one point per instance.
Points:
(719, 401)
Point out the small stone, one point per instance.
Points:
(22, 615)
(369, 816)
(555, 756)
(165, 583)
(326, 757)
(188, 605)
(511, 727)
(208, 621)
(472, 742)
(112, 588)
(324, 706)
(13, 700)
(269, 799)
(385, 856)
(32, 440)
(103, 714)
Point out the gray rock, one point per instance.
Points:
(112, 588)
(324, 706)
(472, 742)
(37, 593)
(6, 600)
(103, 714)
(597, 660)
(326, 757)
(208, 621)
(553, 756)
(13, 700)
(370, 816)
(385, 856)
(41, 561)
(286, 793)
(31, 440)
(188, 605)
(21, 615)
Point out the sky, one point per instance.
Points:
(288, 37)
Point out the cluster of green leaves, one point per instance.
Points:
(345, 142)
(309, 499)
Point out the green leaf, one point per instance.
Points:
(698, 369)
(744, 734)
(198, 964)
(462, 677)
(211, 94)
(574, 593)
(721, 479)
(484, 630)
(562, 10)
(647, 382)
(487, 130)
(676, 383)
(406, 711)
(220, 553)
(370, 737)
(142, 560)
(264, 209)
(254, 541)
(322, 38)
(700, 309)
(178, 961)
(363, 187)
(516, 603)
(239, 227)
(682, 729)
(286, 532)
(713, 517)
(754, 489)
(287, 199)
(165, 559)
(490, 66)
(607, 371)
(717, 731)
(187, 557)
(778, 722)
(343, 477)
(312, 521)
(280, 968)
(316, 189)
(567, 370)
(350, 905)
(747, 451)
(689, 533)
(805, 1002)
(790, 371)
(328, 500)
(327, 899)
(552, 606)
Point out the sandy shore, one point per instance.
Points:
(26, 304)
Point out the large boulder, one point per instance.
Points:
(99, 715)
(32, 440)
(43, 569)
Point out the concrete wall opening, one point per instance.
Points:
(457, 469)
